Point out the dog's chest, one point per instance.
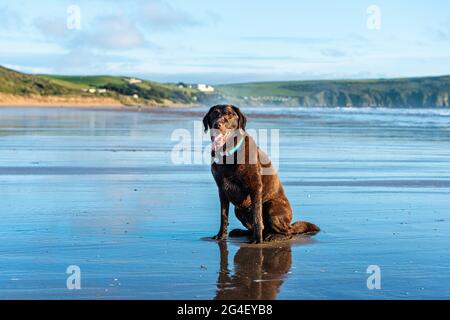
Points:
(230, 187)
(228, 181)
(233, 190)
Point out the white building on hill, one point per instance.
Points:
(133, 81)
(205, 88)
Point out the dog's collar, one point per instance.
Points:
(234, 149)
(230, 152)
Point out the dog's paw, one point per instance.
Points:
(257, 238)
(277, 237)
(257, 241)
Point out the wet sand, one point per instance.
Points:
(97, 189)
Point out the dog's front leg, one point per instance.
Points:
(258, 226)
(224, 211)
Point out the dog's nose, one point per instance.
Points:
(218, 125)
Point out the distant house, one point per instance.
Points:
(135, 96)
(133, 80)
(101, 90)
(205, 88)
(92, 90)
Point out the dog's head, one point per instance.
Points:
(223, 120)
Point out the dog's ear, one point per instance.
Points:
(206, 119)
(242, 117)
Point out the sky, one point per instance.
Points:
(227, 41)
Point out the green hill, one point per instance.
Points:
(16, 83)
(408, 92)
(126, 90)
(146, 91)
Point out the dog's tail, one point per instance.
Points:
(303, 227)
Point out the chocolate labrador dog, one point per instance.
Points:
(246, 178)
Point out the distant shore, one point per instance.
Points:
(7, 100)
(21, 89)
(55, 101)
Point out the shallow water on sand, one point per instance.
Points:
(98, 189)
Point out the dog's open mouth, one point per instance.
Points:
(219, 140)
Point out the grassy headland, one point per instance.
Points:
(17, 88)
(391, 93)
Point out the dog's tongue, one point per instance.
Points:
(219, 141)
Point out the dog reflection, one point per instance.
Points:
(259, 272)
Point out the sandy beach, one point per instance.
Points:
(81, 102)
(8, 100)
(98, 189)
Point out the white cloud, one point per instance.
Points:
(107, 32)
(441, 35)
(116, 32)
(9, 19)
(161, 15)
(334, 53)
(51, 28)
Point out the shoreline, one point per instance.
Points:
(119, 109)
(91, 103)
